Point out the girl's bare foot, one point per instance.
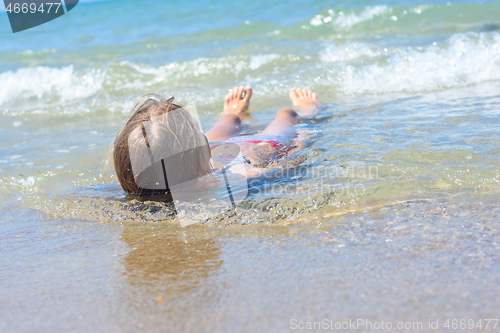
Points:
(304, 101)
(238, 100)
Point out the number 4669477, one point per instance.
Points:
(471, 324)
(31, 7)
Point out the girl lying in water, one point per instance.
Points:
(161, 140)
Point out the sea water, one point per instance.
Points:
(388, 213)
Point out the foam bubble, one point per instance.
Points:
(419, 9)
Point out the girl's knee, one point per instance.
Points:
(231, 117)
(286, 113)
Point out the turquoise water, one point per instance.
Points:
(390, 215)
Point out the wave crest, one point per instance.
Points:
(462, 60)
(48, 84)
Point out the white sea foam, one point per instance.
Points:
(257, 61)
(343, 19)
(347, 21)
(419, 9)
(352, 68)
(46, 82)
(349, 52)
(462, 60)
(187, 73)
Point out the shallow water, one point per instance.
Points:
(390, 215)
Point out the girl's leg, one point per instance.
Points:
(226, 127)
(282, 124)
(305, 101)
(235, 105)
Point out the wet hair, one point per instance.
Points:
(179, 130)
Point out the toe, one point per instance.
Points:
(239, 92)
(234, 93)
(314, 96)
(227, 98)
(293, 93)
(248, 93)
(300, 93)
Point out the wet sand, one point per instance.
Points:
(410, 262)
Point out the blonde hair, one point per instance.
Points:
(188, 165)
